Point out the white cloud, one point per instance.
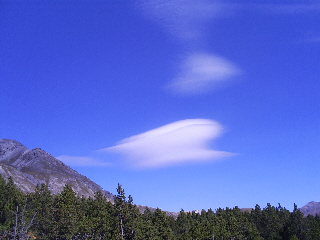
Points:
(202, 72)
(172, 144)
(80, 161)
(184, 18)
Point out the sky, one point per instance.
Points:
(188, 104)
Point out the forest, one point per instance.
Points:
(43, 215)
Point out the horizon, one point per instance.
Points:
(188, 105)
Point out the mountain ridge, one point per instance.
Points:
(30, 167)
(312, 208)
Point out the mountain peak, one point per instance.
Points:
(11, 150)
(29, 168)
(312, 208)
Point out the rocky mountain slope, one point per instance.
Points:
(31, 167)
(312, 208)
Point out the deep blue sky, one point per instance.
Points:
(224, 93)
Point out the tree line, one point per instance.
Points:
(43, 215)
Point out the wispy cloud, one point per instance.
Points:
(291, 8)
(172, 144)
(203, 72)
(310, 8)
(81, 161)
(313, 40)
(186, 21)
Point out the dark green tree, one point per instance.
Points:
(11, 197)
(97, 220)
(148, 230)
(183, 223)
(66, 214)
(162, 225)
(312, 224)
(3, 200)
(41, 201)
(296, 223)
(127, 214)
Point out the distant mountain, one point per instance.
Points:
(311, 208)
(31, 167)
(143, 208)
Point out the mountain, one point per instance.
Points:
(311, 208)
(31, 167)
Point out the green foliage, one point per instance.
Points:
(66, 216)
(41, 200)
(312, 226)
(127, 215)
(156, 225)
(66, 213)
(10, 197)
(97, 220)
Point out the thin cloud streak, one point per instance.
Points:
(290, 8)
(313, 40)
(81, 161)
(184, 19)
(203, 72)
(173, 144)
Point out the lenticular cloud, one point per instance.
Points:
(202, 72)
(172, 144)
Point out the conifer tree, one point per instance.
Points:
(312, 224)
(147, 228)
(296, 223)
(41, 201)
(66, 213)
(183, 225)
(3, 199)
(126, 213)
(161, 223)
(12, 197)
(98, 218)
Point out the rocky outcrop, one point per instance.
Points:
(20, 179)
(11, 150)
(31, 167)
(151, 209)
(312, 208)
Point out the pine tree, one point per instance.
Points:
(3, 199)
(312, 227)
(127, 214)
(148, 230)
(296, 223)
(97, 220)
(11, 197)
(270, 225)
(66, 214)
(41, 201)
(183, 225)
(161, 223)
